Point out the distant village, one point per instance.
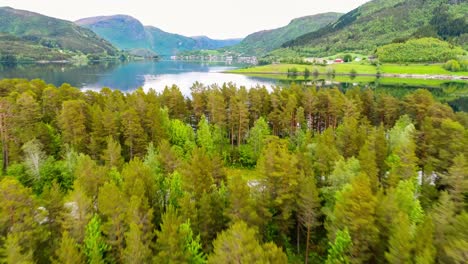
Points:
(228, 59)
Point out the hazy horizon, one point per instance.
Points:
(218, 19)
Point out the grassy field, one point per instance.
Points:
(360, 68)
(418, 69)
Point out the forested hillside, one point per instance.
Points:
(296, 174)
(30, 35)
(380, 22)
(261, 42)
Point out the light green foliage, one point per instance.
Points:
(176, 242)
(340, 251)
(34, 157)
(205, 137)
(419, 50)
(452, 65)
(257, 136)
(182, 135)
(402, 160)
(405, 194)
(360, 220)
(344, 172)
(94, 245)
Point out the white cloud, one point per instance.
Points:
(214, 18)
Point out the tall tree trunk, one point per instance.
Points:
(307, 246)
(298, 236)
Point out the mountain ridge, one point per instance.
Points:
(263, 41)
(381, 22)
(31, 30)
(127, 32)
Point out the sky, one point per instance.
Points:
(220, 19)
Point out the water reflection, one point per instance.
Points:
(157, 75)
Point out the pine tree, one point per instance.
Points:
(367, 160)
(26, 116)
(204, 136)
(68, 251)
(77, 214)
(72, 121)
(443, 216)
(94, 245)
(113, 206)
(136, 251)
(457, 181)
(326, 153)
(424, 250)
(340, 251)
(89, 176)
(140, 233)
(400, 243)
(241, 203)
(355, 209)
(14, 252)
(280, 177)
(239, 244)
(18, 216)
(257, 136)
(134, 135)
(112, 155)
(175, 242)
(309, 209)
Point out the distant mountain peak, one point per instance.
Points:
(127, 32)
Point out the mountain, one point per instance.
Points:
(204, 42)
(129, 33)
(264, 41)
(35, 36)
(380, 22)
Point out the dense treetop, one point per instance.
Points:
(230, 175)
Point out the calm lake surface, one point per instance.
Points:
(130, 76)
(157, 75)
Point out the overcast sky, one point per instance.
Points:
(214, 18)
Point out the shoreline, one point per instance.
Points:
(382, 75)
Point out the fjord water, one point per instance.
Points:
(130, 76)
(159, 74)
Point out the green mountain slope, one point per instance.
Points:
(128, 33)
(381, 22)
(36, 36)
(264, 41)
